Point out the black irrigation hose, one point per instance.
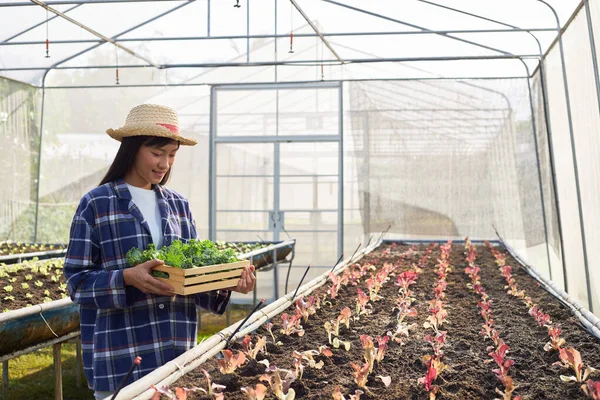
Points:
(260, 303)
(136, 361)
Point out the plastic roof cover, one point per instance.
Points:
(149, 28)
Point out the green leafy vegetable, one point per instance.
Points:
(195, 253)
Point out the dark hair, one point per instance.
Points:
(125, 158)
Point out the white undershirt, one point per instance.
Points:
(146, 201)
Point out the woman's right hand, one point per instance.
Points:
(141, 278)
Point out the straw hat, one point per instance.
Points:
(151, 120)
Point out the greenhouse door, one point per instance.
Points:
(276, 171)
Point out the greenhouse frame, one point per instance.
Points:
(320, 120)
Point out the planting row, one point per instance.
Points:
(404, 323)
(9, 247)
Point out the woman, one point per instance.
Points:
(124, 311)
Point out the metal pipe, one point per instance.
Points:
(317, 31)
(308, 82)
(574, 154)
(288, 63)
(35, 26)
(54, 66)
(81, 2)
(94, 32)
(212, 189)
(208, 19)
(281, 36)
(553, 171)
(593, 48)
(39, 170)
(247, 30)
(341, 170)
(360, 10)
(513, 27)
(539, 170)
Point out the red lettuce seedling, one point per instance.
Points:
(279, 385)
(298, 366)
(360, 374)
(362, 301)
(344, 317)
(250, 350)
(330, 329)
(325, 351)
(335, 285)
(434, 367)
(571, 358)
(541, 318)
(269, 327)
(591, 389)
(258, 393)
(337, 394)
(381, 347)
(504, 365)
(291, 325)
(556, 342)
(213, 387)
(509, 388)
(369, 353)
(229, 363)
(401, 330)
(437, 317)
(406, 279)
(437, 343)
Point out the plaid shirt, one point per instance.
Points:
(119, 322)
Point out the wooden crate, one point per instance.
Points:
(203, 279)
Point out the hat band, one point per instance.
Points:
(172, 128)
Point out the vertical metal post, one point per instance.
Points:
(593, 47)
(256, 283)
(553, 170)
(574, 154)
(341, 171)
(78, 361)
(539, 170)
(212, 164)
(275, 42)
(275, 275)
(37, 201)
(5, 380)
(58, 394)
(208, 18)
(247, 30)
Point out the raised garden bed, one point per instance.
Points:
(9, 248)
(464, 350)
(29, 283)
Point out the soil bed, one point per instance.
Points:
(468, 376)
(26, 284)
(10, 248)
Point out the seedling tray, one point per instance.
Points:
(203, 279)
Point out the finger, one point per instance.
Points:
(161, 286)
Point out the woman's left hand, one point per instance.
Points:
(247, 281)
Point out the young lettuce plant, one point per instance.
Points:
(571, 358)
(369, 350)
(337, 343)
(291, 325)
(556, 342)
(252, 350)
(591, 389)
(344, 317)
(361, 374)
(257, 393)
(213, 389)
(381, 347)
(337, 394)
(229, 363)
(308, 307)
(279, 385)
(362, 300)
(434, 368)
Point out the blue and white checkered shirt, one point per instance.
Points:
(119, 323)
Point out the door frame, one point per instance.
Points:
(276, 140)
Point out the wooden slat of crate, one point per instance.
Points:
(196, 280)
(182, 289)
(202, 270)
